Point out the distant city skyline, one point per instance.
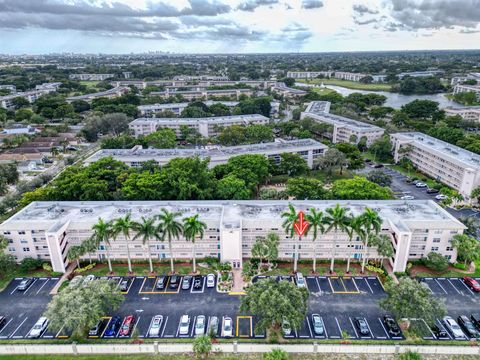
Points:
(236, 26)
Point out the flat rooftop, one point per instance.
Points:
(200, 91)
(318, 107)
(215, 119)
(184, 105)
(399, 212)
(457, 153)
(114, 90)
(271, 147)
(341, 120)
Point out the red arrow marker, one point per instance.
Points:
(301, 225)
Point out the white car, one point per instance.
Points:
(453, 327)
(441, 197)
(407, 197)
(300, 280)
(184, 325)
(155, 326)
(227, 327)
(421, 185)
(39, 327)
(210, 280)
(200, 325)
(76, 281)
(88, 280)
(287, 329)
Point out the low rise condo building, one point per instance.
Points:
(471, 113)
(110, 94)
(308, 74)
(90, 77)
(459, 88)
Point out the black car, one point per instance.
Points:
(475, 318)
(391, 325)
(3, 322)
(95, 331)
(25, 284)
(433, 191)
(361, 325)
(439, 333)
(174, 281)
(113, 326)
(467, 326)
(197, 282)
(125, 284)
(161, 282)
(378, 166)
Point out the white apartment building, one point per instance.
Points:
(6, 102)
(344, 129)
(47, 230)
(207, 127)
(288, 92)
(202, 84)
(11, 88)
(426, 73)
(343, 75)
(90, 77)
(204, 94)
(460, 79)
(110, 94)
(447, 163)
(200, 77)
(176, 108)
(308, 149)
(459, 88)
(471, 113)
(308, 74)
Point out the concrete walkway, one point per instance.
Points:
(64, 277)
(237, 281)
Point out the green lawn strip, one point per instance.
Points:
(350, 84)
(143, 269)
(328, 178)
(89, 83)
(324, 91)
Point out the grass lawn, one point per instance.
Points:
(350, 84)
(328, 178)
(451, 272)
(323, 91)
(144, 269)
(88, 83)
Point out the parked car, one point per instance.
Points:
(3, 322)
(184, 325)
(174, 282)
(127, 325)
(452, 325)
(125, 284)
(391, 325)
(197, 282)
(438, 332)
(472, 284)
(212, 329)
(200, 325)
(300, 280)
(420, 185)
(210, 280)
(441, 197)
(186, 282)
(467, 326)
(39, 327)
(286, 328)
(88, 280)
(432, 191)
(378, 166)
(407, 197)
(318, 326)
(361, 325)
(161, 282)
(155, 326)
(95, 330)
(227, 327)
(475, 318)
(76, 281)
(25, 284)
(113, 326)
(408, 180)
(414, 182)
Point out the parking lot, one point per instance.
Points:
(338, 301)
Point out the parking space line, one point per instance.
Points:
(135, 326)
(26, 291)
(354, 283)
(41, 287)
(331, 287)
(164, 326)
(14, 290)
(343, 284)
(251, 326)
(443, 327)
(5, 337)
(141, 286)
(354, 329)
(445, 291)
(369, 329)
(106, 326)
(366, 282)
(458, 291)
(193, 325)
(339, 328)
(128, 290)
(318, 284)
(309, 327)
(463, 283)
(385, 330)
(12, 334)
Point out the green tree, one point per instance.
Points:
(146, 230)
(231, 187)
(317, 225)
(272, 302)
(468, 248)
(170, 229)
(354, 156)
(333, 159)
(76, 309)
(353, 227)
(74, 253)
(193, 228)
(436, 262)
(371, 225)
(289, 218)
(162, 139)
(202, 346)
(381, 149)
(412, 299)
(380, 177)
(124, 226)
(292, 165)
(266, 248)
(359, 188)
(337, 219)
(384, 246)
(102, 232)
(306, 188)
(410, 355)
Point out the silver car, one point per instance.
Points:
(39, 327)
(155, 326)
(452, 325)
(200, 325)
(184, 325)
(213, 326)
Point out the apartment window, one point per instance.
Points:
(26, 249)
(6, 233)
(10, 241)
(434, 248)
(11, 249)
(21, 232)
(449, 248)
(453, 231)
(448, 257)
(23, 242)
(436, 240)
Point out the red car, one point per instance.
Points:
(472, 284)
(127, 325)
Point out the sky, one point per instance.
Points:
(236, 26)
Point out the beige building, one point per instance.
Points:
(344, 129)
(287, 92)
(207, 127)
(308, 149)
(204, 94)
(91, 77)
(308, 74)
(459, 88)
(6, 102)
(176, 108)
(447, 163)
(471, 113)
(47, 230)
(110, 94)
(343, 75)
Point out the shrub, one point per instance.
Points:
(460, 266)
(410, 355)
(202, 346)
(276, 354)
(47, 267)
(436, 262)
(86, 268)
(29, 264)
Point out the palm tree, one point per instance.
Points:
(124, 226)
(74, 253)
(101, 233)
(170, 228)
(192, 228)
(336, 219)
(371, 224)
(384, 247)
(290, 217)
(354, 226)
(146, 230)
(317, 224)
